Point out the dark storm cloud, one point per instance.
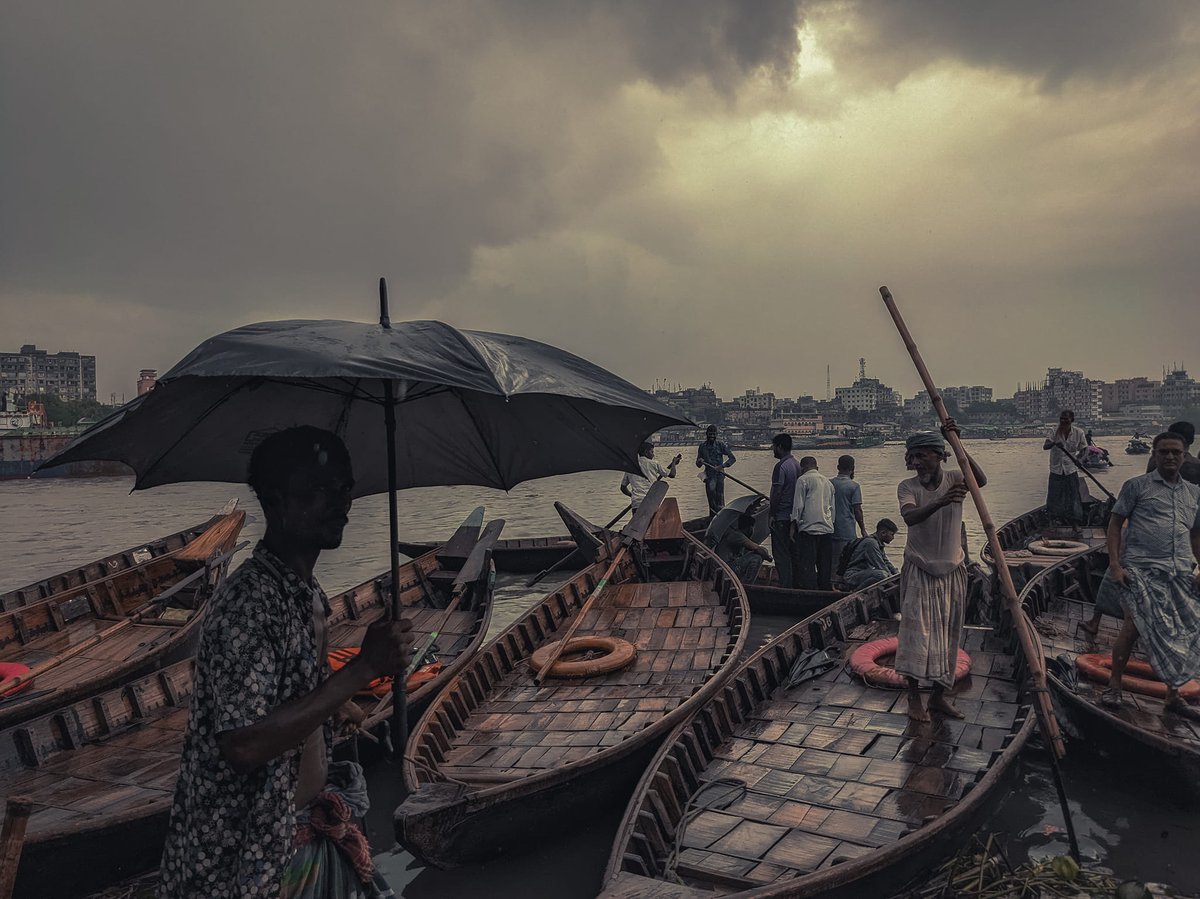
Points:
(1051, 40)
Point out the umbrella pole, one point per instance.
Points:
(399, 697)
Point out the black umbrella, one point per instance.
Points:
(458, 407)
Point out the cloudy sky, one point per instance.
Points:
(686, 191)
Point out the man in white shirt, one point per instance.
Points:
(812, 517)
(636, 487)
(1063, 500)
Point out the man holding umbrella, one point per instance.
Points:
(255, 779)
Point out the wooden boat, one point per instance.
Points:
(92, 635)
(1057, 599)
(1137, 447)
(101, 770)
(497, 759)
(825, 788)
(1032, 543)
(108, 572)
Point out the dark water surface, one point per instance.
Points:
(1126, 818)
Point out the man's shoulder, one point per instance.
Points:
(252, 577)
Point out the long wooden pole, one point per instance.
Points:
(583, 610)
(12, 839)
(736, 481)
(1037, 669)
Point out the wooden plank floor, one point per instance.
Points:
(834, 769)
(1060, 632)
(681, 632)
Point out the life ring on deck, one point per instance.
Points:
(864, 662)
(1057, 547)
(1139, 677)
(616, 655)
(9, 670)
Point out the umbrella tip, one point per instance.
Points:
(384, 318)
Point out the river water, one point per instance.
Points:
(1125, 819)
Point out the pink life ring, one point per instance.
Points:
(864, 662)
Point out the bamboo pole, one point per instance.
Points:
(583, 610)
(1037, 669)
(12, 839)
(736, 481)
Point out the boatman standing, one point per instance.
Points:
(636, 487)
(714, 457)
(260, 812)
(933, 579)
(783, 496)
(1158, 589)
(1063, 500)
(847, 507)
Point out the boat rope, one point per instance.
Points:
(693, 809)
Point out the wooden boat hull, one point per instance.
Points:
(1057, 599)
(102, 770)
(586, 747)
(142, 618)
(845, 796)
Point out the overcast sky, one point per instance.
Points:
(701, 191)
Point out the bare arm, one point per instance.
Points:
(671, 468)
(858, 516)
(980, 477)
(385, 650)
(914, 514)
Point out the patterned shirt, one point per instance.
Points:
(231, 834)
(1161, 519)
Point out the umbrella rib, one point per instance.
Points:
(207, 412)
(487, 446)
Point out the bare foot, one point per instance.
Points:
(1090, 627)
(916, 711)
(945, 706)
(1111, 699)
(1180, 707)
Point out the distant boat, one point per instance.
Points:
(1137, 447)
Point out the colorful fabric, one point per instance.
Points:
(230, 835)
(1166, 609)
(932, 611)
(1161, 518)
(1064, 502)
(332, 858)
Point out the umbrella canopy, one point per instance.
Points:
(471, 407)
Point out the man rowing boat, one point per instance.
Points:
(933, 580)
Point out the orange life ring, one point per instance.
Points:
(1139, 677)
(1061, 548)
(617, 654)
(864, 662)
(338, 658)
(9, 670)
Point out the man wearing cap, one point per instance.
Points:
(933, 580)
(255, 774)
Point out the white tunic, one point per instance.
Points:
(934, 545)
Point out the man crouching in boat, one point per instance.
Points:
(259, 811)
(933, 580)
(1158, 591)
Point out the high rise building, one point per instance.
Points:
(1179, 391)
(1071, 390)
(30, 372)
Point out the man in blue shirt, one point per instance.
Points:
(847, 507)
(714, 457)
(1158, 589)
(783, 496)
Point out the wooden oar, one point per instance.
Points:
(12, 839)
(632, 533)
(736, 481)
(473, 569)
(1033, 658)
(1084, 469)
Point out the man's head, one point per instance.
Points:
(1066, 418)
(781, 446)
(808, 463)
(846, 466)
(646, 450)
(924, 453)
(885, 530)
(1169, 448)
(710, 433)
(1184, 429)
(303, 479)
(746, 524)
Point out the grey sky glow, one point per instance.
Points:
(710, 191)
